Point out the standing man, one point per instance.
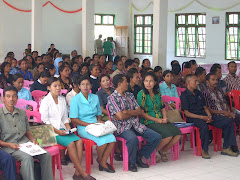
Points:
(99, 45)
(108, 48)
(15, 130)
(196, 111)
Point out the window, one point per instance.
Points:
(190, 35)
(104, 19)
(143, 28)
(232, 35)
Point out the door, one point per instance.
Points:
(121, 35)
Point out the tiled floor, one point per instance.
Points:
(188, 167)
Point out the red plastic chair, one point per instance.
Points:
(235, 95)
(180, 90)
(125, 149)
(38, 95)
(27, 83)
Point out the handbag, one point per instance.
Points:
(173, 115)
(101, 129)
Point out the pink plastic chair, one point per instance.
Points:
(22, 104)
(125, 149)
(180, 90)
(38, 95)
(27, 83)
(28, 88)
(1, 105)
(1, 92)
(185, 131)
(53, 150)
(63, 91)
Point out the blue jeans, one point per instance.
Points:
(153, 140)
(8, 165)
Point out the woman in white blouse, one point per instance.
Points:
(53, 111)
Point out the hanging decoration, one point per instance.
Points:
(186, 6)
(48, 2)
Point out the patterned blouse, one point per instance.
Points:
(118, 103)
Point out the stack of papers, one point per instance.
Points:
(31, 149)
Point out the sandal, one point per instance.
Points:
(164, 157)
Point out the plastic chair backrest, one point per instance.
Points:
(1, 92)
(1, 105)
(27, 83)
(63, 91)
(180, 90)
(168, 99)
(35, 114)
(235, 95)
(38, 95)
(22, 104)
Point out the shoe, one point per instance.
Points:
(89, 178)
(118, 157)
(205, 155)
(79, 177)
(235, 149)
(163, 155)
(140, 163)
(110, 167)
(132, 167)
(64, 162)
(101, 168)
(229, 152)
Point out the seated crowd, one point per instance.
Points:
(121, 91)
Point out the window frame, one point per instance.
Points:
(226, 36)
(186, 26)
(143, 26)
(102, 15)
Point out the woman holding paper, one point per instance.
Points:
(85, 109)
(53, 111)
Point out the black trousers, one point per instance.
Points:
(222, 122)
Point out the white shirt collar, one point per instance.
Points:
(93, 77)
(39, 81)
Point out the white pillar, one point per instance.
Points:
(160, 20)
(87, 28)
(36, 26)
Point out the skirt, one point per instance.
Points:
(109, 138)
(166, 130)
(66, 140)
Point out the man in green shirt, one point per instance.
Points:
(107, 48)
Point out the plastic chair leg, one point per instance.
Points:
(53, 166)
(125, 156)
(88, 154)
(193, 142)
(59, 164)
(199, 150)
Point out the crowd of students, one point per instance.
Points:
(122, 90)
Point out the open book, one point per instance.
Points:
(31, 149)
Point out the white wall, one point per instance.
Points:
(15, 28)
(63, 29)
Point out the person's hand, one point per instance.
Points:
(13, 146)
(173, 105)
(35, 142)
(30, 108)
(165, 120)
(62, 132)
(124, 111)
(101, 122)
(162, 121)
(205, 118)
